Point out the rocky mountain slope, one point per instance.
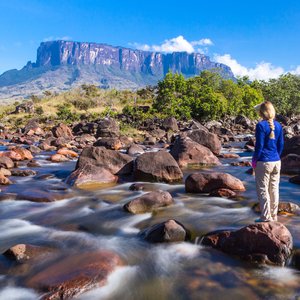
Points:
(61, 65)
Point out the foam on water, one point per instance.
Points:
(17, 293)
(279, 274)
(129, 226)
(118, 280)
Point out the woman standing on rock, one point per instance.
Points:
(266, 161)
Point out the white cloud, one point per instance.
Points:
(262, 71)
(177, 44)
(52, 38)
(296, 71)
(202, 42)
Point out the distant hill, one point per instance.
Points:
(62, 65)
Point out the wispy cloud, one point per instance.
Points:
(177, 44)
(262, 70)
(52, 38)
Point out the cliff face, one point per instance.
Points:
(62, 65)
(58, 53)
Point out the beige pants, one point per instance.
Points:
(267, 175)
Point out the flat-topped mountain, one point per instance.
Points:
(61, 65)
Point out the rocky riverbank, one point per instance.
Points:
(91, 157)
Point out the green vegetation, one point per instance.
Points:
(204, 97)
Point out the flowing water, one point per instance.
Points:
(88, 220)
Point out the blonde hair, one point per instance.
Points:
(267, 112)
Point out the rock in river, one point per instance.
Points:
(166, 232)
(157, 166)
(208, 182)
(268, 242)
(149, 202)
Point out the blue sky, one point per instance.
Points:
(256, 38)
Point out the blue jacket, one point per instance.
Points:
(267, 149)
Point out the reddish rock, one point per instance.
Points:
(74, 274)
(6, 162)
(149, 202)
(39, 195)
(224, 193)
(241, 163)
(208, 182)
(170, 124)
(23, 252)
(91, 174)
(268, 242)
(284, 208)
(207, 139)
(58, 158)
(229, 155)
(4, 180)
(5, 172)
(157, 166)
(109, 143)
(46, 146)
(290, 164)
(62, 130)
(166, 232)
(113, 161)
(23, 172)
(187, 152)
(34, 149)
(18, 153)
(67, 152)
(33, 127)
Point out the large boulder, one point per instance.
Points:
(149, 202)
(33, 127)
(157, 166)
(187, 152)
(90, 174)
(62, 130)
(290, 164)
(112, 143)
(170, 124)
(208, 182)
(269, 242)
(207, 139)
(166, 232)
(292, 146)
(6, 162)
(107, 127)
(72, 275)
(17, 153)
(115, 162)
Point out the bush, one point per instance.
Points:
(84, 104)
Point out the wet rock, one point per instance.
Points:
(157, 166)
(135, 149)
(33, 127)
(5, 172)
(6, 162)
(23, 252)
(208, 182)
(34, 149)
(115, 162)
(223, 193)
(74, 274)
(290, 164)
(295, 179)
(137, 187)
(166, 232)
(39, 195)
(67, 153)
(109, 143)
(244, 163)
(284, 208)
(4, 180)
(296, 259)
(58, 158)
(229, 155)
(292, 146)
(33, 164)
(22, 172)
(107, 127)
(149, 202)
(22, 152)
(91, 174)
(207, 139)
(269, 242)
(170, 124)
(187, 152)
(62, 130)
